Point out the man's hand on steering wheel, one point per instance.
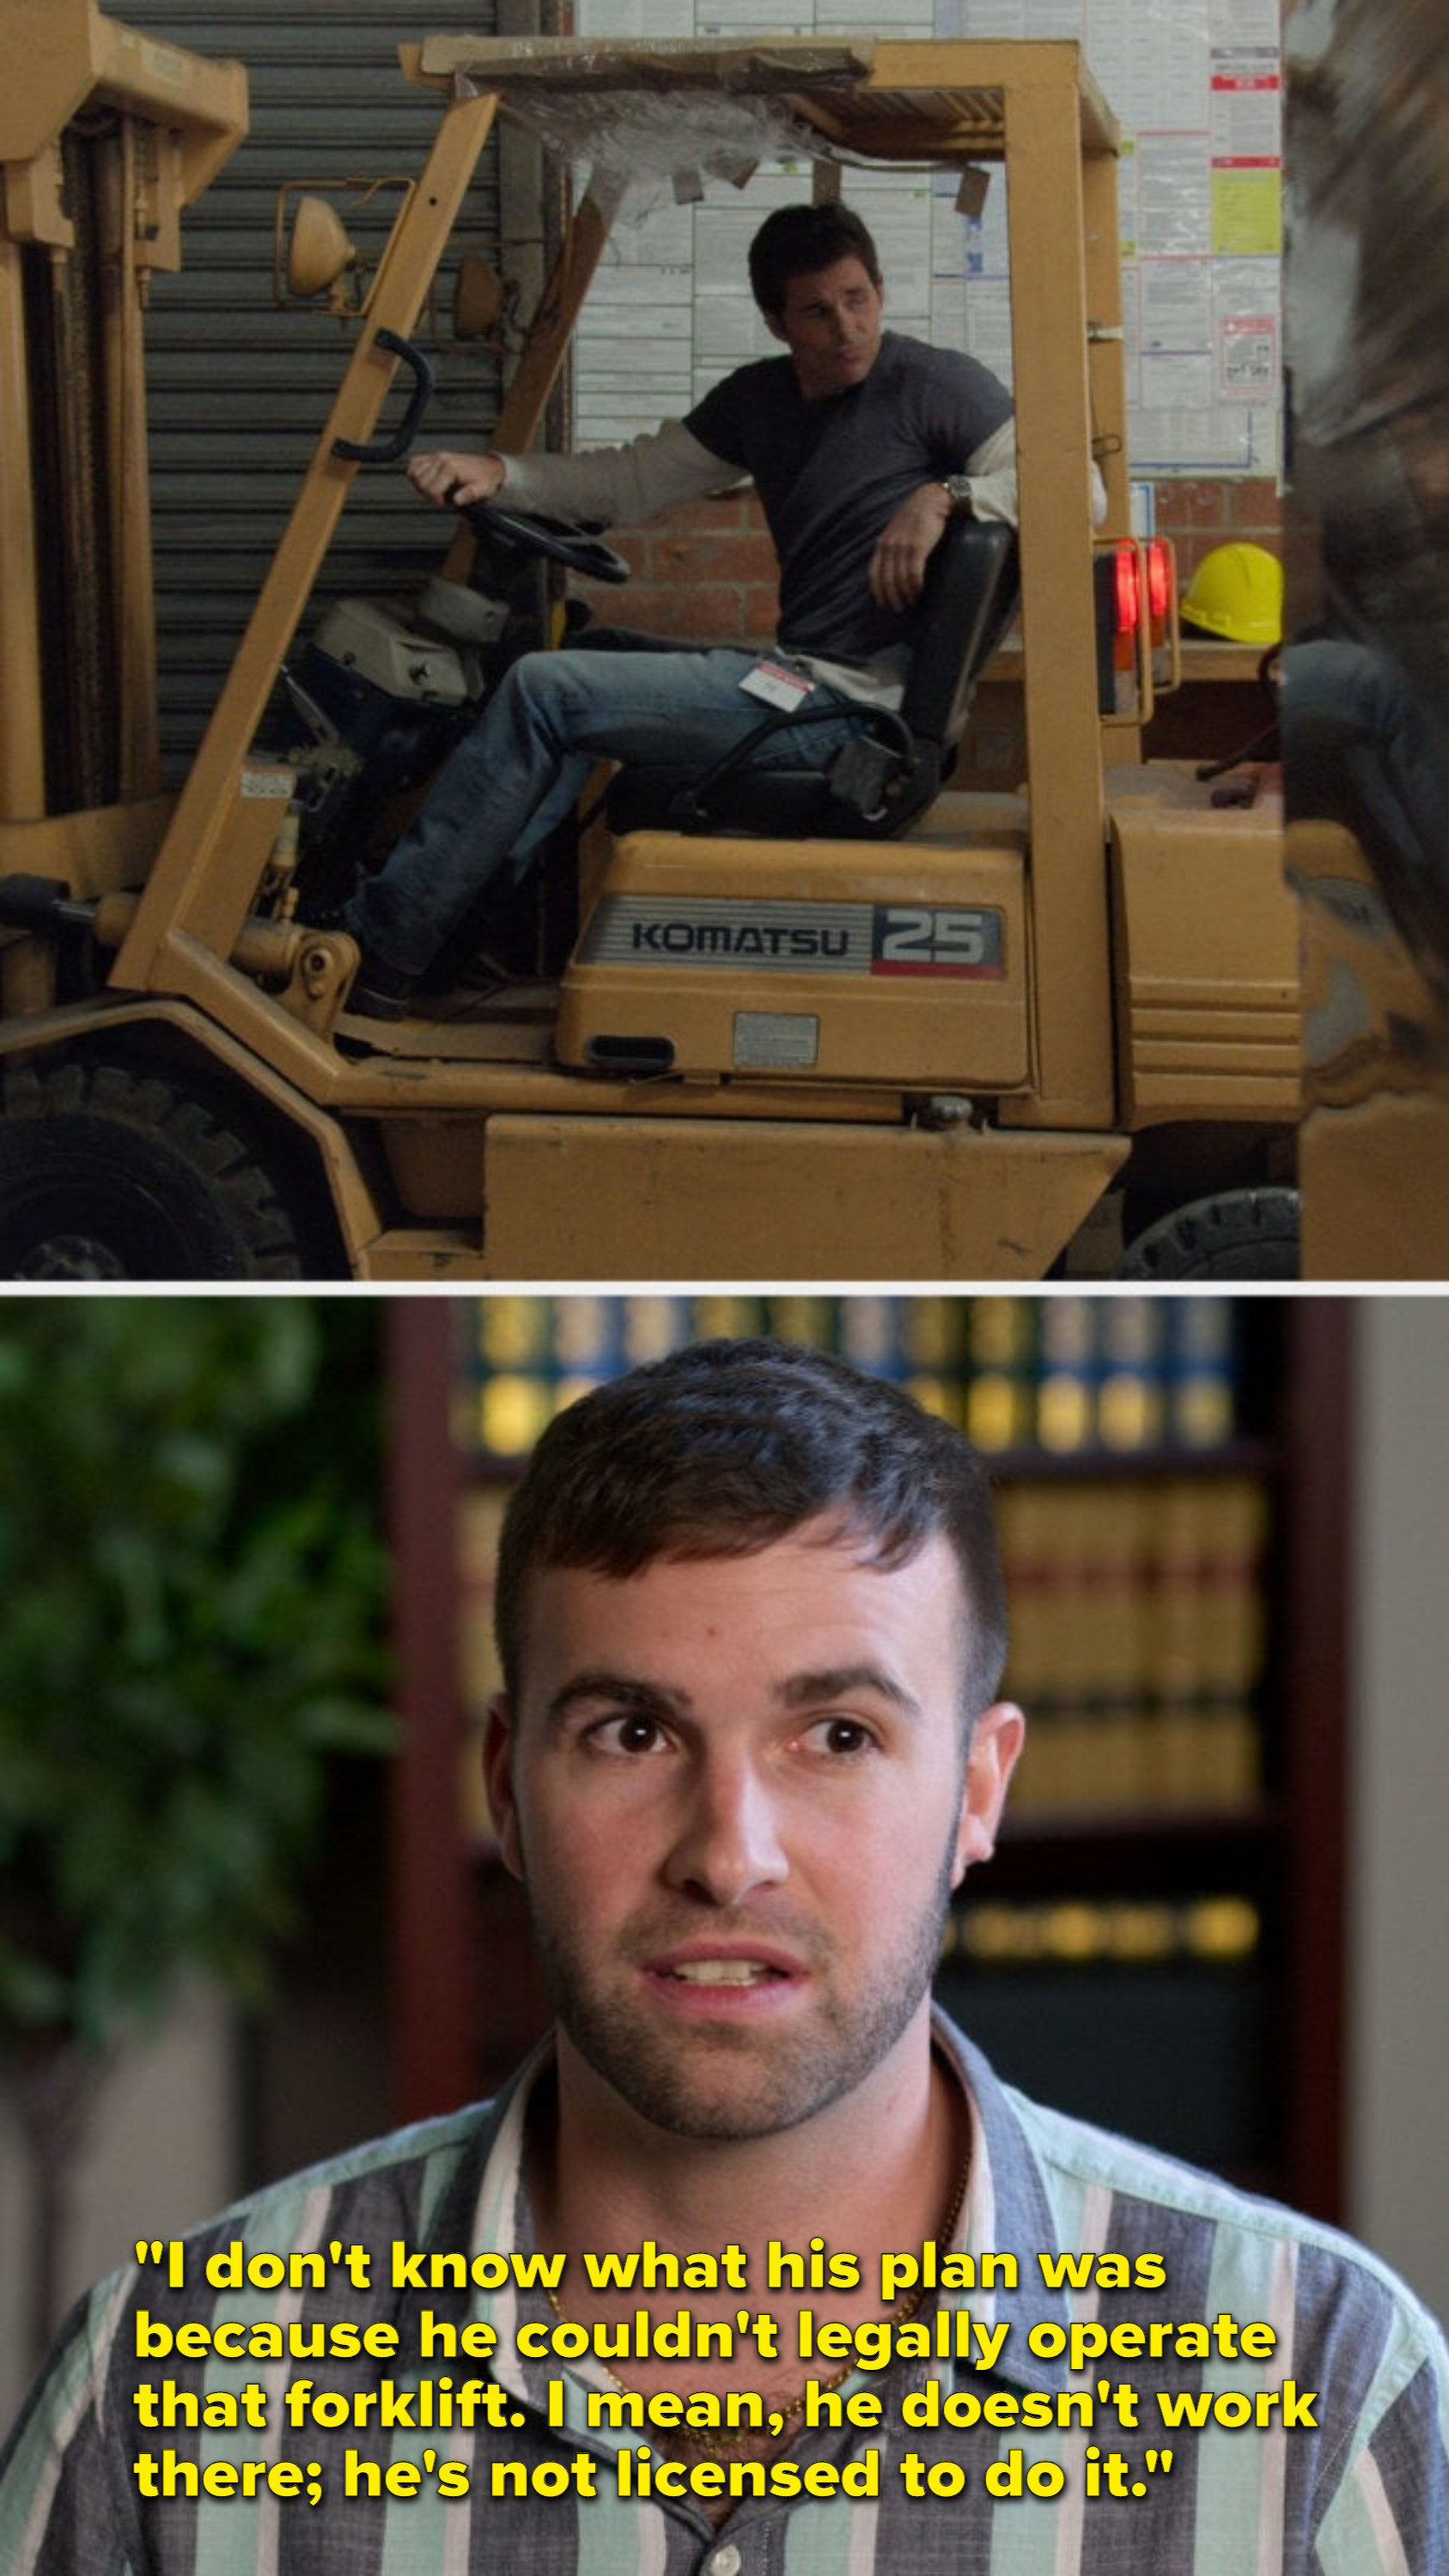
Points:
(451, 480)
(472, 484)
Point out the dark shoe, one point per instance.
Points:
(381, 992)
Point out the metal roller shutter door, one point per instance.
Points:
(238, 390)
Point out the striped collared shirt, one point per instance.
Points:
(1111, 2430)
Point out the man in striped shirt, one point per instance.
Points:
(755, 2267)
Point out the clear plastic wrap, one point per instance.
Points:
(643, 138)
(639, 149)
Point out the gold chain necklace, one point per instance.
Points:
(717, 2446)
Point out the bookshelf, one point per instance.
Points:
(1159, 1941)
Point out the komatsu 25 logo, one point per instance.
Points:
(808, 938)
(917, 939)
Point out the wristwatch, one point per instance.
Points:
(957, 488)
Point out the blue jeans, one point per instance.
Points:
(524, 765)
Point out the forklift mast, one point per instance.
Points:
(106, 135)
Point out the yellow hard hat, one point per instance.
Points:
(1237, 592)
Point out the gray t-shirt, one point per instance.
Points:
(831, 473)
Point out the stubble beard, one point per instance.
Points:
(723, 2080)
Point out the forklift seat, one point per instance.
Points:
(898, 762)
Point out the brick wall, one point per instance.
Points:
(1200, 515)
(708, 570)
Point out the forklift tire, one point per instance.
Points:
(107, 1174)
(1239, 1234)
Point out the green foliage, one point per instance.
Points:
(193, 1588)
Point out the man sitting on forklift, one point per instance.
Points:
(862, 443)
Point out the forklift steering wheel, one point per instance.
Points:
(558, 540)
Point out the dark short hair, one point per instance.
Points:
(725, 1447)
(795, 241)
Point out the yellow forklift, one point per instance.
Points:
(935, 1039)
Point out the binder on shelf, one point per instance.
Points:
(1224, 1930)
(1070, 1374)
(1139, 1635)
(480, 1677)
